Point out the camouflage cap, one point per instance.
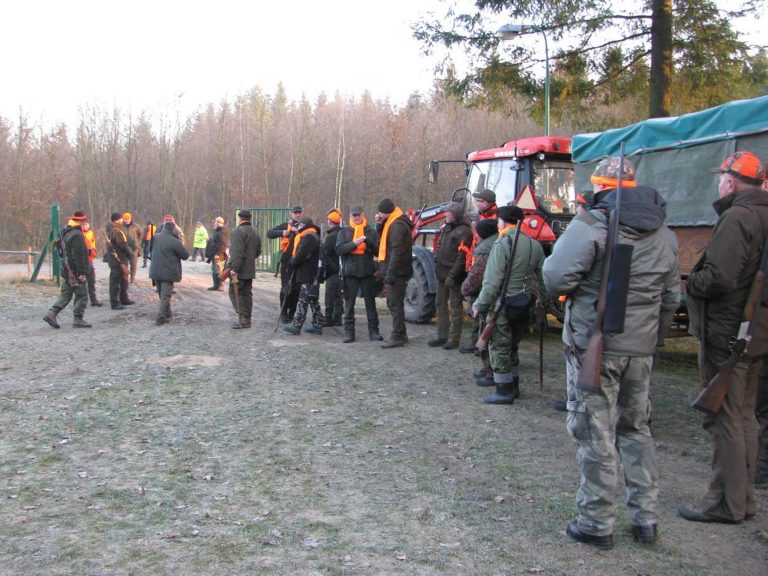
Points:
(609, 168)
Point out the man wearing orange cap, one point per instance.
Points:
(133, 236)
(718, 288)
(333, 302)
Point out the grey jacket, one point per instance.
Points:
(576, 264)
(167, 254)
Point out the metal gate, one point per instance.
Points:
(265, 219)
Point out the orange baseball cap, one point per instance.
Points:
(745, 166)
(127, 216)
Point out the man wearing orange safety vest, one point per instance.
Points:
(90, 245)
(289, 292)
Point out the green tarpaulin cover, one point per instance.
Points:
(674, 155)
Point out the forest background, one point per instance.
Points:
(260, 149)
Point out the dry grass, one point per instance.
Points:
(194, 449)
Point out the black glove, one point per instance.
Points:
(450, 282)
(207, 260)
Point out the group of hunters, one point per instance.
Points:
(504, 277)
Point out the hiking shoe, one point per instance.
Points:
(437, 342)
(291, 329)
(80, 323)
(51, 319)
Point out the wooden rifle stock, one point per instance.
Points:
(485, 336)
(710, 399)
(592, 362)
(123, 267)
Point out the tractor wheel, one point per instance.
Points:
(419, 302)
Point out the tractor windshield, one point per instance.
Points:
(553, 185)
(552, 181)
(497, 175)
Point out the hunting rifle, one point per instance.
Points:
(612, 298)
(485, 336)
(285, 291)
(113, 252)
(710, 399)
(71, 277)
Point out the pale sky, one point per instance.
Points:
(173, 56)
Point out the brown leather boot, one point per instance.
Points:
(242, 322)
(80, 323)
(51, 319)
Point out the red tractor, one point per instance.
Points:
(536, 174)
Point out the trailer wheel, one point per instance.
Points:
(419, 302)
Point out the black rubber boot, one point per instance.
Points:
(506, 392)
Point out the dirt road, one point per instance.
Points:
(191, 448)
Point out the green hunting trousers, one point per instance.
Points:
(80, 293)
(164, 291)
(733, 435)
(608, 427)
(449, 306)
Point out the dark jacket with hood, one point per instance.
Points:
(718, 286)
(304, 262)
(576, 264)
(450, 262)
(167, 254)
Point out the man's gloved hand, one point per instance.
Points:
(389, 279)
(450, 282)
(378, 275)
(207, 260)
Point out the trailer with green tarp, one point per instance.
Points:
(675, 156)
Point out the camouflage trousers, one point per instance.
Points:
(505, 340)
(309, 297)
(611, 427)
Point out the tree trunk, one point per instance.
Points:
(661, 59)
